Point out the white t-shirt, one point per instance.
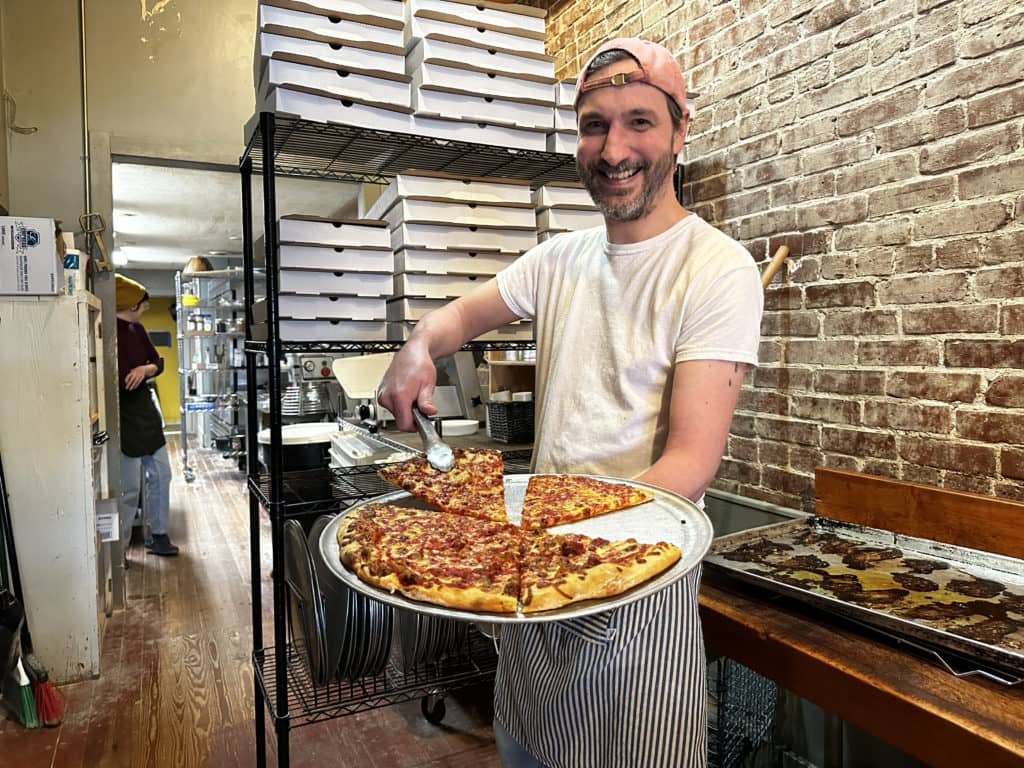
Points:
(612, 320)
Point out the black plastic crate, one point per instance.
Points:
(511, 422)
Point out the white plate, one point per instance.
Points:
(458, 427)
(668, 517)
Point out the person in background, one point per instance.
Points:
(644, 330)
(143, 446)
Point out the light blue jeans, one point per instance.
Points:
(158, 491)
(511, 752)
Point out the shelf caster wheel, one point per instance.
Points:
(189, 475)
(433, 710)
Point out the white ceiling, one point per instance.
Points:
(165, 215)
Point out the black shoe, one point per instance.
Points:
(162, 546)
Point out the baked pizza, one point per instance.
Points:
(558, 499)
(475, 485)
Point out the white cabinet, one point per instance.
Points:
(52, 414)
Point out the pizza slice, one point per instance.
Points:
(474, 486)
(558, 499)
(448, 560)
(558, 569)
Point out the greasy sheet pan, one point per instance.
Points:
(964, 600)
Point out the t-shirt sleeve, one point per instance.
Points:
(517, 283)
(724, 319)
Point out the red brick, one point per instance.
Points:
(739, 471)
(744, 80)
(911, 196)
(805, 458)
(941, 21)
(996, 35)
(829, 409)
(878, 19)
(846, 210)
(818, 241)
(916, 64)
(1006, 176)
(932, 125)
(948, 454)
(991, 426)
(862, 443)
(1009, 490)
(773, 170)
(996, 107)
(923, 289)
(856, 382)
(821, 352)
(982, 353)
(956, 481)
(927, 475)
(881, 468)
(873, 262)
(885, 47)
(861, 322)
(947, 387)
(1012, 320)
(914, 258)
(1004, 247)
(743, 425)
(846, 60)
(1006, 391)
(770, 351)
(908, 352)
(787, 430)
(888, 231)
(788, 481)
(743, 449)
(840, 461)
(764, 224)
(1012, 460)
(790, 324)
(876, 172)
(910, 416)
(972, 147)
(837, 153)
(980, 318)
(955, 254)
(960, 220)
(786, 379)
(853, 294)
(763, 401)
(984, 75)
(782, 297)
(809, 50)
(1002, 283)
(809, 133)
(752, 151)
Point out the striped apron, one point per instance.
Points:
(619, 689)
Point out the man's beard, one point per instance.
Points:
(611, 206)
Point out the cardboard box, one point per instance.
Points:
(511, 16)
(436, 185)
(307, 47)
(565, 119)
(336, 258)
(563, 194)
(565, 92)
(411, 309)
(562, 142)
(452, 262)
(471, 81)
(381, 89)
(439, 237)
(457, 53)
(316, 230)
(519, 331)
(414, 211)
(567, 220)
(332, 307)
(426, 24)
(331, 26)
(415, 285)
(479, 133)
(313, 283)
(323, 108)
(467, 108)
(325, 330)
(29, 264)
(376, 10)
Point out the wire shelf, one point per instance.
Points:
(476, 662)
(741, 708)
(305, 148)
(340, 347)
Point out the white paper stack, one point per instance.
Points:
(564, 207)
(479, 72)
(334, 61)
(451, 234)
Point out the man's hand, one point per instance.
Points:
(137, 375)
(409, 380)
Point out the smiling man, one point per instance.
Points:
(644, 329)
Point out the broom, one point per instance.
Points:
(25, 703)
(46, 697)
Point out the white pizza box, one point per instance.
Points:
(562, 142)
(449, 237)
(457, 52)
(411, 309)
(380, 89)
(543, 237)
(29, 264)
(519, 331)
(434, 262)
(324, 108)
(339, 258)
(526, 19)
(309, 47)
(429, 101)
(332, 307)
(479, 133)
(411, 210)
(373, 10)
(567, 219)
(416, 285)
(437, 185)
(316, 283)
(563, 194)
(565, 119)
(423, 24)
(317, 230)
(354, 28)
(325, 330)
(565, 92)
(473, 81)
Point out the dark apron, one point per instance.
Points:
(142, 429)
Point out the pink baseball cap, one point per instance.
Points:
(658, 67)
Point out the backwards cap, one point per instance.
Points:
(658, 67)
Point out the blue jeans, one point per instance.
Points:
(158, 491)
(511, 752)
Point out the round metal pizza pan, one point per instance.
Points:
(668, 517)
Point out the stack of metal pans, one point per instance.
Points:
(426, 639)
(306, 609)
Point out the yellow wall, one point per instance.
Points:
(158, 318)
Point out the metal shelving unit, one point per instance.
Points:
(289, 146)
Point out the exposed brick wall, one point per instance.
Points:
(882, 142)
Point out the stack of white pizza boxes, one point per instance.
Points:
(564, 206)
(563, 138)
(479, 72)
(334, 279)
(451, 234)
(340, 61)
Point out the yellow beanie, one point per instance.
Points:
(127, 292)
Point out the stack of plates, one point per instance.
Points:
(426, 639)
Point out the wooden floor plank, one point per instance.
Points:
(176, 684)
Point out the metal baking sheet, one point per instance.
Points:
(667, 517)
(964, 600)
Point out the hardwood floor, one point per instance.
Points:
(176, 685)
